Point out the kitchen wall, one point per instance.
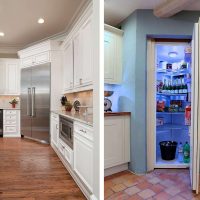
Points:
(4, 101)
(85, 98)
(132, 93)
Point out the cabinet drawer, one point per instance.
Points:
(10, 112)
(83, 130)
(42, 57)
(10, 129)
(9, 122)
(55, 116)
(10, 117)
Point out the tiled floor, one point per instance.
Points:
(161, 184)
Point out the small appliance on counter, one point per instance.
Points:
(107, 102)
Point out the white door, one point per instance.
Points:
(2, 77)
(195, 112)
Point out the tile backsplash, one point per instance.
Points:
(85, 98)
(4, 101)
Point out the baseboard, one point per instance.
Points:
(92, 197)
(80, 184)
(115, 169)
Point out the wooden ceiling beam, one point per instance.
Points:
(171, 7)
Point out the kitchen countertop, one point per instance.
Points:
(116, 113)
(86, 119)
(9, 108)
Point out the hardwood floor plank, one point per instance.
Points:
(32, 171)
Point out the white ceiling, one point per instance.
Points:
(18, 19)
(118, 10)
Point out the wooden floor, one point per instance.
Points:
(29, 170)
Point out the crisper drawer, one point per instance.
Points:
(83, 130)
(10, 112)
(10, 129)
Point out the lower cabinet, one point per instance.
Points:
(54, 129)
(83, 153)
(11, 123)
(116, 140)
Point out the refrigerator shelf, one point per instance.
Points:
(170, 113)
(171, 127)
(165, 94)
(174, 72)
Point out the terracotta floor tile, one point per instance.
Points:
(144, 185)
(118, 196)
(154, 180)
(132, 190)
(145, 194)
(108, 193)
(118, 187)
(162, 196)
(172, 190)
(173, 184)
(135, 197)
(177, 197)
(157, 188)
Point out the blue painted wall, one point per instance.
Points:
(132, 93)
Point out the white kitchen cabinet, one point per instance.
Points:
(68, 66)
(54, 129)
(83, 153)
(116, 140)
(12, 77)
(9, 77)
(11, 123)
(112, 55)
(77, 60)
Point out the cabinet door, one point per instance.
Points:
(109, 56)
(114, 141)
(86, 44)
(77, 60)
(54, 130)
(83, 159)
(2, 77)
(68, 67)
(12, 78)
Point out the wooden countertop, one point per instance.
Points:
(116, 113)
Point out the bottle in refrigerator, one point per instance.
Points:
(186, 153)
(176, 87)
(188, 115)
(164, 87)
(180, 152)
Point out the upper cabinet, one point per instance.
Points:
(77, 56)
(112, 55)
(9, 77)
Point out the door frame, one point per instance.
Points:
(151, 96)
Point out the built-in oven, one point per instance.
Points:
(66, 131)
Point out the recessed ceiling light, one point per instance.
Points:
(172, 54)
(40, 20)
(2, 34)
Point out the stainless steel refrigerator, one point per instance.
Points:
(35, 102)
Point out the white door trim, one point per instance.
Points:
(151, 106)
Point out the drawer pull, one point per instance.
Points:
(82, 130)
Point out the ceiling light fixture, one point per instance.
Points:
(2, 34)
(172, 54)
(40, 21)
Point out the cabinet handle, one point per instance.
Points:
(82, 130)
(80, 81)
(56, 126)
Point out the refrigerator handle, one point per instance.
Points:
(33, 102)
(28, 102)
